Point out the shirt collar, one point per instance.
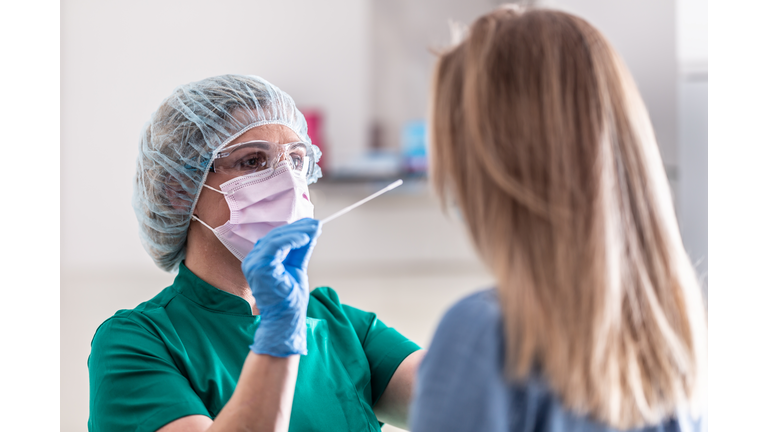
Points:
(207, 295)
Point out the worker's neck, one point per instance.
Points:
(218, 267)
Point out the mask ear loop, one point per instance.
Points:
(204, 224)
(197, 218)
(215, 190)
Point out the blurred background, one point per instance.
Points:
(360, 70)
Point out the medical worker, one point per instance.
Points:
(238, 342)
(596, 321)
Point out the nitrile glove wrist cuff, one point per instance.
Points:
(281, 334)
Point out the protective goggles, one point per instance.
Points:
(254, 156)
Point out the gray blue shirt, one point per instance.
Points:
(461, 385)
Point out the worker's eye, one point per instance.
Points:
(297, 162)
(253, 161)
(297, 155)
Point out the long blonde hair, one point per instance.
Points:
(539, 134)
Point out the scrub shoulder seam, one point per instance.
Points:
(130, 319)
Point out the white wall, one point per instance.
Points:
(692, 38)
(693, 202)
(692, 53)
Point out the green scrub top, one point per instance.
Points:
(181, 353)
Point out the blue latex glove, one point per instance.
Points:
(276, 271)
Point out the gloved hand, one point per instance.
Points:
(276, 271)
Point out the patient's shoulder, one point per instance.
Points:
(471, 325)
(478, 310)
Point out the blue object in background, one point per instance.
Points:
(414, 146)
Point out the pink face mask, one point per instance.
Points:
(259, 202)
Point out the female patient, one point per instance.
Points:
(541, 139)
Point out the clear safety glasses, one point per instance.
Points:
(254, 156)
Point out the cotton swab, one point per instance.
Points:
(361, 202)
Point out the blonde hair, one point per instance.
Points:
(540, 135)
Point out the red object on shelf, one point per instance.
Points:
(315, 131)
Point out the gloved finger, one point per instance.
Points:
(276, 246)
(304, 225)
(299, 257)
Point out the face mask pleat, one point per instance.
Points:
(258, 203)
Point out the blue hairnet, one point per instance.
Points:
(176, 148)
